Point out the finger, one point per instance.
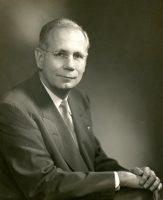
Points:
(156, 195)
(146, 175)
(159, 187)
(156, 185)
(137, 171)
(150, 181)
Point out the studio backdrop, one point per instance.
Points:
(124, 73)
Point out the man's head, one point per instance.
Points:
(62, 53)
(55, 24)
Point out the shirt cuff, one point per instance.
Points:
(117, 181)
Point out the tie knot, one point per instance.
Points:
(64, 103)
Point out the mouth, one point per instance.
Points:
(67, 77)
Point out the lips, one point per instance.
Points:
(67, 77)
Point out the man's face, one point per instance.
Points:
(64, 68)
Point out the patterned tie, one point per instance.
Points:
(66, 115)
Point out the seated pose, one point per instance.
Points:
(47, 147)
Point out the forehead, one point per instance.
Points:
(67, 38)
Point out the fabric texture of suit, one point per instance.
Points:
(38, 159)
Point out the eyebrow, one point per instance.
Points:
(65, 51)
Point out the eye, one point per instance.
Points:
(78, 56)
(60, 54)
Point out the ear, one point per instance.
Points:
(39, 56)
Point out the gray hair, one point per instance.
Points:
(59, 23)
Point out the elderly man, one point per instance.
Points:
(47, 147)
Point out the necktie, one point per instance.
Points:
(66, 115)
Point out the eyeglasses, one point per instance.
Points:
(64, 54)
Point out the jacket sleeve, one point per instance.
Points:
(31, 166)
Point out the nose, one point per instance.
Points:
(70, 65)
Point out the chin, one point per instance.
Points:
(68, 86)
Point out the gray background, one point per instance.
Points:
(124, 75)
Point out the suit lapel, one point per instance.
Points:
(80, 127)
(65, 143)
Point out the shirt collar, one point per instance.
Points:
(56, 100)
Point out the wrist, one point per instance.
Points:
(122, 178)
(128, 179)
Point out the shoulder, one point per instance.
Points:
(16, 95)
(19, 103)
(19, 96)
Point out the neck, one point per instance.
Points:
(61, 93)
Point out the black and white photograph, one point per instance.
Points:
(81, 99)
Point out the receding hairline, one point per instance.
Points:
(57, 24)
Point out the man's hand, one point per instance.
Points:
(148, 178)
(128, 179)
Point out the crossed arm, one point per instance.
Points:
(143, 178)
(140, 178)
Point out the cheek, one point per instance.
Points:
(81, 69)
(52, 64)
(50, 72)
(51, 68)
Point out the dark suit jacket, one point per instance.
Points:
(38, 159)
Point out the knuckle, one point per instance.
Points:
(147, 168)
(152, 188)
(159, 187)
(156, 183)
(150, 182)
(144, 177)
(158, 179)
(152, 173)
(152, 179)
